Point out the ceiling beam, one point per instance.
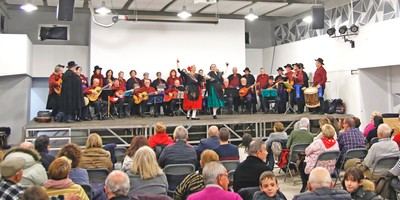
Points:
(127, 4)
(243, 7)
(204, 7)
(4, 9)
(86, 4)
(168, 4)
(280, 7)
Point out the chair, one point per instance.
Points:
(88, 190)
(97, 176)
(294, 156)
(384, 163)
(230, 164)
(248, 193)
(230, 176)
(373, 141)
(328, 156)
(176, 173)
(359, 153)
(120, 153)
(158, 149)
(152, 189)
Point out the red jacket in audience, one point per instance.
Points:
(160, 139)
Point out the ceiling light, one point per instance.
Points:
(251, 16)
(308, 19)
(103, 10)
(331, 31)
(28, 7)
(343, 30)
(184, 14)
(354, 28)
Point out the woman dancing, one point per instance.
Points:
(215, 98)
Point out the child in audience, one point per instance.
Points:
(269, 188)
(359, 188)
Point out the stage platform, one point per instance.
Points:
(121, 131)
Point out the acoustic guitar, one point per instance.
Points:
(95, 93)
(245, 90)
(171, 95)
(57, 89)
(142, 96)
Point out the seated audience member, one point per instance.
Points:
(316, 148)
(117, 186)
(35, 193)
(27, 145)
(378, 120)
(59, 183)
(226, 151)
(334, 122)
(321, 187)
(94, 156)
(194, 182)
(357, 123)
(180, 152)
(249, 171)
(145, 172)
(269, 188)
(371, 125)
(301, 135)
(34, 172)
(350, 138)
(359, 188)
(136, 143)
(161, 137)
(212, 142)
(244, 146)
(322, 122)
(42, 147)
(278, 135)
(11, 175)
(77, 175)
(217, 182)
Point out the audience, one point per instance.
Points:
(117, 186)
(27, 145)
(359, 188)
(226, 151)
(249, 171)
(11, 173)
(145, 171)
(161, 137)
(212, 142)
(269, 188)
(34, 172)
(94, 156)
(378, 120)
(59, 183)
(316, 148)
(42, 146)
(321, 123)
(77, 175)
(371, 125)
(334, 122)
(321, 187)
(357, 123)
(244, 146)
(350, 138)
(35, 193)
(180, 152)
(136, 143)
(194, 182)
(279, 135)
(301, 135)
(217, 182)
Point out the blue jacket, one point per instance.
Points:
(208, 143)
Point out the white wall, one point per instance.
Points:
(254, 59)
(153, 46)
(15, 54)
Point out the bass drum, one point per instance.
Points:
(311, 97)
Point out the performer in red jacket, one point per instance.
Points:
(319, 81)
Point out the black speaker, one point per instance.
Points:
(65, 10)
(247, 37)
(318, 15)
(2, 23)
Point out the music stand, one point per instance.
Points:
(288, 105)
(106, 94)
(180, 103)
(155, 99)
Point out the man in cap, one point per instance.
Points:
(319, 82)
(11, 172)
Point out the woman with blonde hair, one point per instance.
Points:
(94, 156)
(145, 171)
(322, 122)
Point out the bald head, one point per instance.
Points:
(384, 131)
(27, 145)
(319, 178)
(213, 131)
(117, 184)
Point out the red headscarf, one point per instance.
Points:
(328, 143)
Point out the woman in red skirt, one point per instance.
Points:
(192, 100)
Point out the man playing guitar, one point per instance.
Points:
(142, 95)
(96, 104)
(170, 98)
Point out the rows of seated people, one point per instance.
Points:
(161, 167)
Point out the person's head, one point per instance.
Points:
(357, 122)
(58, 69)
(201, 72)
(207, 156)
(243, 81)
(215, 173)
(72, 152)
(213, 131)
(12, 169)
(304, 123)
(132, 73)
(158, 74)
(296, 67)
(384, 131)
(59, 168)
(348, 123)
(319, 62)
(146, 82)
(109, 73)
(269, 183)
(270, 80)
(121, 75)
(213, 67)
(280, 71)
(160, 127)
(96, 82)
(319, 178)
(172, 73)
(328, 131)
(146, 75)
(378, 120)
(144, 163)
(262, 70)
(27, 145)
(177, 83)
(246, 140)
(352, 179)
(192, 69)
(226, 83)
(246, 71)
(278, 127)
(78, 70)
(234, 70)
(97, 70)
(375, 113)
(116, 184)
(42, 143)
(288, 67)
(224, 135)
(136, 143)
(94, 141)
(324, 121)
(35, 193)
(180, 133)
(258, 149)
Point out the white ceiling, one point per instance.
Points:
(291, 10)
(225, 7)
(261, 8)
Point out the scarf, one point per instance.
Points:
(328, 143)
(58, 184)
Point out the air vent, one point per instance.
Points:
(53, 32)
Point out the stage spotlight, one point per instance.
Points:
(184, 14)
(354, 28)
(251, 16)
(343, 30)
(331, 31)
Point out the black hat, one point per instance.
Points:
(289, 65)
(246, 69)
(97, 67)
(301, 65)
(71, 64)
(280, 69)
(320, 60)
(271, 77)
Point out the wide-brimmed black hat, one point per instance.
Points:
(246, 69)
(301, 65)
(280, 69)
(320, 60)
(71, 64)
(289, 65)
(97, 67)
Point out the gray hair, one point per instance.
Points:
(384, 131)
(320, 177)
(255, 146)
(27, 145)
(213, 131)
(296, 125)
(118, 183)
(304, 123)
(180, 133)
(211, 172)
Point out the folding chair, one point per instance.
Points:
(293, 157)
(384, 163)
(230, 164)
(328, 156)
(120, 153)
(97, 176)
(359, 153)
(152, 189)
(88, 190)
(248, 193)
(176, 173)
(230, 176)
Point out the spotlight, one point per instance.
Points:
(331, 31)
(29, 7)
(103, 10)
(354, 28)
(251, 16)
(308, 19)
(184, 14)
(343, 30)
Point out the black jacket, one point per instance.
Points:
(71, 93)
(361, 194)
(248, 172)
(324, 194)
(262, 196)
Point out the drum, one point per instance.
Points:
(269, 93)
(311, 97)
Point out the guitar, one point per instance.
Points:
(119, 94)
(245, 90)
(95, 93)
(142, 96)
(57, 89)
(171, 95)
